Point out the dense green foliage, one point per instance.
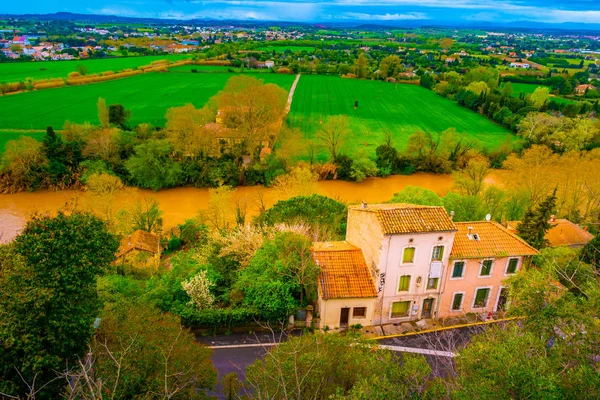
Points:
(536, 222)
(48, 298)
(325, 217)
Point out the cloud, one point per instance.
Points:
(384, 17)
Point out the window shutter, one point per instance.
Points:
(435, 269)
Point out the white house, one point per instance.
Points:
(406, 248)
(269, 63)
(520, 65)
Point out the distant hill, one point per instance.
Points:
(525, 26)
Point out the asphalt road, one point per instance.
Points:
(234, 353)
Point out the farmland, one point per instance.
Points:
(384, 107)
(19, 71)
(528, 88)
(148, 96)
(281, 49)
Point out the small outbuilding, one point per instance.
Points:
(141, 249)
(347, 294)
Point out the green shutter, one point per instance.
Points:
(404, 283)
(409, 255)
(400, 309)
(457, 302)
(457, 272)
(512, 265)
(481, 297)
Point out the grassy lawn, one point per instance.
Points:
(19, 71)
(384, 107)
(6, 135)
(148, 96)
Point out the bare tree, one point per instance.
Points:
(333, 134)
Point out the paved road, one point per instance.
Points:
(234, 353)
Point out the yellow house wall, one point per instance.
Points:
(330, 311)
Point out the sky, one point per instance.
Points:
(380, 11)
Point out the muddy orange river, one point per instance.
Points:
(180, 204)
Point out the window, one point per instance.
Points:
(457, 301)
(359, 312)
(486, 268)
(481, 298)
(438, 253)
(409, 255)
(404, 283)
(432, 283)
(400, 309)
(513, 263)
(458, 270)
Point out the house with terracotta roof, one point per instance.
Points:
(561, 233)
(407, 249)
(581, 89)
(484, 254)
(346, 289)
(141, 249)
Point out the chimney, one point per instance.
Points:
(451, 215)
(552, 218)
(364, 205)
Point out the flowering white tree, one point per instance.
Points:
(198, 288)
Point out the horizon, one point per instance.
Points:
(391, 12)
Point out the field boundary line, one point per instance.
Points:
(445, 328)
(288, 106)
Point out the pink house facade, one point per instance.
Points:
(484, 254)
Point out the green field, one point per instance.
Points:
(7, 135)
(148, 96)
(19, 71)
(398, 109)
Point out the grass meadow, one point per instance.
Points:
(528, 88)
(384, 107)
(19, 71)
(148, 96)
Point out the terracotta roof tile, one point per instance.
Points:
(139, 240)
(494, 240)
(344, 272)
(566, 233)
(408, 218)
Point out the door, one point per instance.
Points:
(502, 298)
(344, 316)
(427, 306)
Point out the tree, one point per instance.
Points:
(446, 43)
(151, 167)
(536, 222)
(362, 168)
(48, 298)
(139, 352)
(333, 134)
(426, 81)
(325, 217)
(198, 288)
(390, 66)
(22, 162)
(540, 96)
(219, 206)
(280, 276)
(185, 129)
(417, 195)
(118, 115)
(507, 89)
(81, 69)
(590, 253)
(253, 108)
(332, 366)
(361, 65)
(478, 88)
(147, 216)
(300, 181)
(103, 113)
(469, 181)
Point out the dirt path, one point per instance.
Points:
(291, 95)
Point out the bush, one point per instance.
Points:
(226, 317)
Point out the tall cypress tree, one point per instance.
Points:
(536, 222)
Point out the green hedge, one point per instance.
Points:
(218, 318)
